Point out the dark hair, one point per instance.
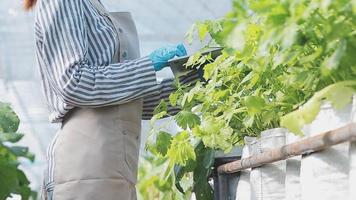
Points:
(29, 4)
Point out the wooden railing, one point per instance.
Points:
(304, 146)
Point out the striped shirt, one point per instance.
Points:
(75, 45)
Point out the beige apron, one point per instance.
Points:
(95, 153)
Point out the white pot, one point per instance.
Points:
(352, 157)
(243, 190)
(292, 181)
(268, 181)
(324, 175)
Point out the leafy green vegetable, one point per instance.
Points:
(280, 61)
(214, 134)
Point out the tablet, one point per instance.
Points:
(178, 64)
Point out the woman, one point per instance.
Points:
(98, 89)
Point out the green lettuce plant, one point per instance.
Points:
(12, 178)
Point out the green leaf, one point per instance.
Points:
(209, 158)
(8, 178)
(161, 145)
(163, 142)
(157, 117)
(305, 115)
(12, 179)
(214, 134)
(193, 59)
(332, 62)
(189, 36)
(181, 150)
(9, 121)
(294, 122)
(184, 172)
(187, 119)
(254, 104)
(162, 107)
(310, 110)
(24, 190)
(173, 98)
(163, 185)
(202, 30)
(10, 137)
(208, 70)
(202, 189)
(341, 96)
(22, 152)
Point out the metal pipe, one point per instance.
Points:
(304, 146)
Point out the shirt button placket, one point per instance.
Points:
(123, 50)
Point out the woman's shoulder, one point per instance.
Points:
(48, 8)
(48, 11)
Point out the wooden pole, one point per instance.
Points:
(305, 146)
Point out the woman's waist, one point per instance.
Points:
(130, 112)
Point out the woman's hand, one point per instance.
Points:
(161, 56)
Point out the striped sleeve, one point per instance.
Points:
(65, 54)
(166, 88)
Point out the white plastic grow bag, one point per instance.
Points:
(324, 175)
(292, 181)
(268, 182)
(243, 190)
(352, 157)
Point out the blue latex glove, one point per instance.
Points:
(161, 56)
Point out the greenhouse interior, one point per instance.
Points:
(177, 100)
